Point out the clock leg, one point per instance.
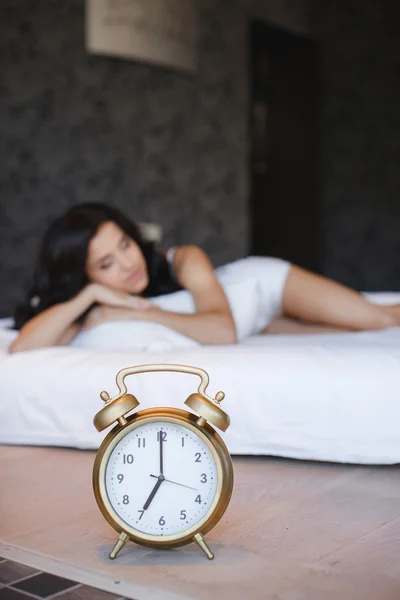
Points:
(123, 538)
(200, 541)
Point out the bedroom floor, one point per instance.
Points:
(294, 531)
(19, 582)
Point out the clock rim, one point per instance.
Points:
(222, 461)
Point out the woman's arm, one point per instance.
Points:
(54, 326)
(213, 322)
(57, 325)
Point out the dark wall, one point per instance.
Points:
(361, 140)
(172, 148)
(162, 145)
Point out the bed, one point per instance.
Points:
(326, 397)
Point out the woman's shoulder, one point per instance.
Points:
(185, 252)
(191, 266)
(168, 255)
(180, 259)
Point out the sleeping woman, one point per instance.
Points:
(94, 267)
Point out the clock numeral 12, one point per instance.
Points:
(163, 436)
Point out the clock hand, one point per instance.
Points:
(153, 492)
(161, 477)
(161, 454)
(176, 483)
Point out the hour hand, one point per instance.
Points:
(153, 492)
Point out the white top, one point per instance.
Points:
(170, 260)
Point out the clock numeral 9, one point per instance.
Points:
(183, 515)
(125, 499)
(203, 478)
(198, 499)
(120, 477)
(198, 457)
(162, 521)
(128, 458)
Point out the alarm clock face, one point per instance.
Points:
(161, 478)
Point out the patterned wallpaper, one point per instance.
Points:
(162, 145)
(170, 147)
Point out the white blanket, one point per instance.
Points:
(321, 397)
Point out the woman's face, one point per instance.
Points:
(116, 261)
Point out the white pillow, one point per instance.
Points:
(137, 335)
(145, 335)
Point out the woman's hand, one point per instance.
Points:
(102, 294)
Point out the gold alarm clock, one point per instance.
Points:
(162, 477)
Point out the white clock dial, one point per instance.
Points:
(161, 478)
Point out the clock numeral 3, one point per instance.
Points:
(203, 478)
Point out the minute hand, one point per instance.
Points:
(161, 454)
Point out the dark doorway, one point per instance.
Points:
(285, 202)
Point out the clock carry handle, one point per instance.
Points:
(168, 367)
(208, 408)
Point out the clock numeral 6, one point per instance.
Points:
(183, 515)
(125, 499)
(162, 521)
(203, 478)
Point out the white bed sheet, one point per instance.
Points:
(322, 397)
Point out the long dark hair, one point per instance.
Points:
(60, 271)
